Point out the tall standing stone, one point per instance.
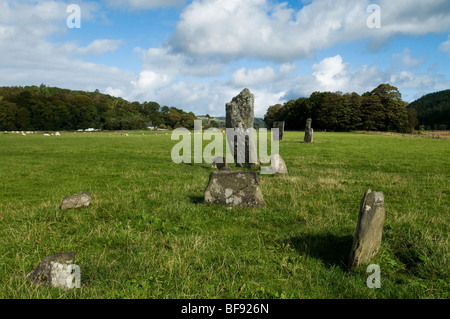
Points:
(308, 132)
(369, 230)
(280, 126)
(240, 117)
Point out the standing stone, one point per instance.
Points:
(308, 132)
(76, 201)
(240, 117)
(280, 126)
(369, 230)
(234, 188)
(54, 271)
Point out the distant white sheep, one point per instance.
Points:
(57, 134)
(46, 134)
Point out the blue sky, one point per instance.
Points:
(197, 55)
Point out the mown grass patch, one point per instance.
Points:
(148, 233)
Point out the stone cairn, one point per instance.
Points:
(369, 230)
(308, 132)
(240, 117)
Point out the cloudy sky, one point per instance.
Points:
(197, 55)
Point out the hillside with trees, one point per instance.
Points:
(42, 108)
(382, 109)
(433, 110)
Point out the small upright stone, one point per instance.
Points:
(76, 201)
(277, 166)
(54, 271)
(234, 188)
(309, 132)
(369, 230)
(280, 126)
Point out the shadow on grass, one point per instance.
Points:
(331, 249)
(197, 199)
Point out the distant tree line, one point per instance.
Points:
(48, 108)
(382, 109)
(433, 110)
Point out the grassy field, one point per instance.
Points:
(148, 233)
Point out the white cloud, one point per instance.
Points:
(331, 73)
(145, 4)
(114, 92)
(30, 58)
(404, 59)
(100, 46)
(164, 60)
(263, 29)
(191, 72)
(271, 86)
(244, 77)
(209, 97)
(152, 81)
(96, 47)
(422, 81)
(445, 46)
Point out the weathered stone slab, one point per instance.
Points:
(369, 230)
(76, 201)
(309, 132)
(54, 271)
(240, 117)
(280, 126)
(234, 188)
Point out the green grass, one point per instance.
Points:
(148, 233)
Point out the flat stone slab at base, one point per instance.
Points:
(76, 201)
(54, 271)
(234, 188)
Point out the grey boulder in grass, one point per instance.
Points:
(277, 166)
(76, 201)
(54, 271)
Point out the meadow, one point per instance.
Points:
(149, 234)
